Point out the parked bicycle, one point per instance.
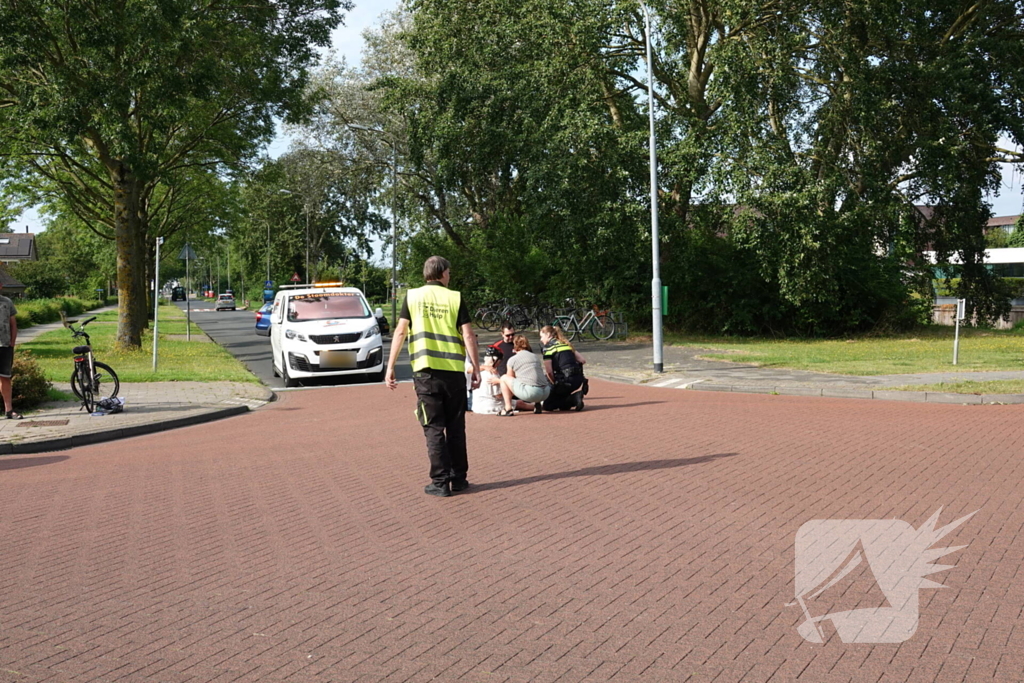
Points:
(92, 381)
(598, 323)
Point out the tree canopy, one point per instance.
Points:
(127, 111)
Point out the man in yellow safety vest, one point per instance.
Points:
(441, 338)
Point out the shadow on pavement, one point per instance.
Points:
(590, 406)
(20, 463)
(600, 470)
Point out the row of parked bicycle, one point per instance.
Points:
(575, 318)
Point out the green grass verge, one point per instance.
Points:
(1004, 386)
(928, 349)
(179, 361)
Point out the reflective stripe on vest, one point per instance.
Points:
(433, 312)
(555, 347)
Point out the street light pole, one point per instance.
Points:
(308, 280)
(394, 234)
(394, 218)
(656, 314)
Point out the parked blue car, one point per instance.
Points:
(263, 320)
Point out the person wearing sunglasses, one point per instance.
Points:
(505, 346)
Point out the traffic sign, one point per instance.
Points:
(187, 253)
(268, 283)
(296, 278)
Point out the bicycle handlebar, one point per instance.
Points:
(86, 322)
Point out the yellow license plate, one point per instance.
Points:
(338, 360)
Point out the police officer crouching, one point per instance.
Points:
(564, 368)
(440, 332)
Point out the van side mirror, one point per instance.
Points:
(379, 313)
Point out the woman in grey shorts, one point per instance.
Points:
(525, 379)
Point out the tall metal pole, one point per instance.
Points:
(268, 250)
(156, 300)
(188, 295)
(308, 279)
(394, 234)
(659, 365)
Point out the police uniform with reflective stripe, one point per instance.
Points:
(567, 371)
(438, 356)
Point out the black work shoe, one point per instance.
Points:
(459, 485)
(439, 490)
(537, 409)
(579, 402)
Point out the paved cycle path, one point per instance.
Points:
(649, 538)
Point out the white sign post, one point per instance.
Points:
(961, 313)
(156, 299)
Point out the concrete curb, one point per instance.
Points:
(833, 391)
(65, 443)
(876, 394)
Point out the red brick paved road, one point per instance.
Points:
(649, 538)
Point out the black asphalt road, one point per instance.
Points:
(236, 332)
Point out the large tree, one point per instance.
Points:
(121, 107)
(794, 140)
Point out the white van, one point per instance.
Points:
(324, 330)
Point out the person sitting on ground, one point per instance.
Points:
(487, 397)
(524, 380)
(563, 366)
(504, 345)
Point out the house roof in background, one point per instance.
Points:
(1002, 220)
(8, 280)
(16, 244)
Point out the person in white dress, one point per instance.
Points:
(487, 397)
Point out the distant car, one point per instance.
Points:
(263, 320)
(178, 294)
(382, 322)
(225, 301)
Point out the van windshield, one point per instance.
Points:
(326, 306)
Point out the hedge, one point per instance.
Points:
(38, 311)
(1015, 285)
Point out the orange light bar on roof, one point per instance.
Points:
(328, 284)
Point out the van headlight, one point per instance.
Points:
(371, 332)
(292, 334)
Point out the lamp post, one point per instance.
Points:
(394, 218)
(656, 314)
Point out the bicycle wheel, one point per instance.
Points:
(602, 327)
(489, 321)
(569, 326)
(105, 383)
(84, 391)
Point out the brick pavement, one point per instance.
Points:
(649, 538)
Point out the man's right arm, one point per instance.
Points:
(397, 339)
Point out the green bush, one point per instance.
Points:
(1012, 286)
(29, 385)
(39, 311)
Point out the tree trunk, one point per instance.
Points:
(131, 271)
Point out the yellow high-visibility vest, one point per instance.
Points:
(436, 342)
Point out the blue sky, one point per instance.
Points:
(347, 41)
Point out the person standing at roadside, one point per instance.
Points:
(8, 336)
(440, 338)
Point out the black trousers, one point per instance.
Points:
(562, 391)
(441, 409)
